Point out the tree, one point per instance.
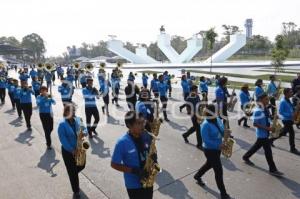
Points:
(279, 53)
(10, 40)
(210, 36)
(230, 30)
(257, 44)
(36, 45)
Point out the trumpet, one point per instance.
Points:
(89, 67)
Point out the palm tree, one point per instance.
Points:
(210, 36)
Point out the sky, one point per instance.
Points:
(63, 23)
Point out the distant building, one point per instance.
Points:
(248, 26)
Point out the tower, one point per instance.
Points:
(248, 26)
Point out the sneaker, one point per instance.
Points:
(180, 109)
(199, 181)
(248, 162)
(276, 173)
(29, 128)
(185, 139)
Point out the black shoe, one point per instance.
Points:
(180, 109)
(226, 196)
(112, 101)
(95, 132)
(103, 109)
(199, 147)
(29, 128)
(167, 120)
(90, 136)
(118, 105)
(249, 162)
(199, 181)
(76, 195)
(276, 173)
(239, 122)
(49, 148)
(295, 151)
(272, 144)
(185, 139)
(246, 126)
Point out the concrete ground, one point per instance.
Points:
(29, 171)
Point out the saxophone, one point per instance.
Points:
(232, 101)
(151, 167)
(203, 104)
(276, 126)
(249, 108)
(228, 142)
(279, 91)
(82, 146)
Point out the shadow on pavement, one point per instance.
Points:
(25, 137)
(48, 162)
(176, 126)
(16, 122)
(246, 146)
(228, 164)
(292, 185)
(97, 146)
(171, 187)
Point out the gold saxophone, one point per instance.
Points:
(276, 126)
(82, 146)
(249, 108)
(203, 104)
(232, 101)
(151, 167)
(228, 142)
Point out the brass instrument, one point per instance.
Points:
(203, 104)
(249, 108)
(89, 67)
(276, 126)
(232, 101)
(151, 167)
(297, 113)
(82, 146)
(279, 91)
(77, 66)
(40, 66)
(49, 67)
(228, 142)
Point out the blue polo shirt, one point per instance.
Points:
(154, 85)
(244, 98)
(25, 96)
(203, 86)
(89, 97)
(145, 80)
(48, 77)
(162, 89)
(141, 107)
(258, 92)
(33, 74)
(261, 117)
(286, 109)
(126, 153)
(17, 93)
(271, 89)
(3, 84)
(10, 87)
(36, 85)
(194, 100)
(65, 91)
(104, 87)
(24, 77)
(212, 135)
(185, 86)
(221, 94)
(44, 104)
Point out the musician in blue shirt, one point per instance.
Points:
(258, 89)
(186, 91)
(11, 88)
(104, 92)
(40, 73)
(60, 72)
(287, 114)
(66, 91)
(48, 77)
(82, 78)
(261, 120)
(272, 91)
(26, 103)
(154, 86)
(115, 86)
(68, 133)
(212, 132)
(145, 107)
(162, 89)
(90, 94)
(222, 94)
(145, 80)
(17, 93)
(45, 102)
(36, 85)
(3, 85)
(24, 76)
(193, 101)
(33, 74)
(167, 79)
(130, 156)
(245, 104)
(203, 87)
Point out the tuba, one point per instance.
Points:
(77, 66)
(89, 67)
(152, 167)
(228, 142)
(49, 67)
(232, 101)
(40, 66)
(276, 126)
(82, 146)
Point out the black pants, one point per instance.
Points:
(18, 105)
(224, 113)
(273, 105)
(47, 122)
(164, 101)
(140, 193)
(185, 105)
(170, 88)
(195, 128)
(288, 128)
(213, 161)
(244, 118)
(115, 95)
(27, 111)
(12, 100)
(131, 104)
(72, 169)
(266, 144)
(156, 94)
(89, 112)
(83, 84)
(2, 95)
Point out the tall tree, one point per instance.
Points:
(10, 40)
(229, 30)
(210, 36)
(36, 45)
(279, 53)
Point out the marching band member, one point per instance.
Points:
(3, 85)
(115, 85)
(295, 83)
(77, 74)
(131, 76)
(261, 121)
(145, 80)
(60, 72)
(17, 94)
(296, 101)
(154, 86)
(45, 102)
(36, 85)
(23, 75)
(41, 74)
(82, 78)
(131, 92)
(167, 79)
(212, 131)
(203, 87)
(130, 155)
(186, 91)
(258, 89)
(66, 90)
(104, 89)
(11, 88)
(26, 102)
(68, 132)
(222, 94)
(272, 92)
(162, 89)
(48, 77)
(70, 75)
(193, 100)
(33, 74)
(287, 114)
(245, 102)
(90, 94)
